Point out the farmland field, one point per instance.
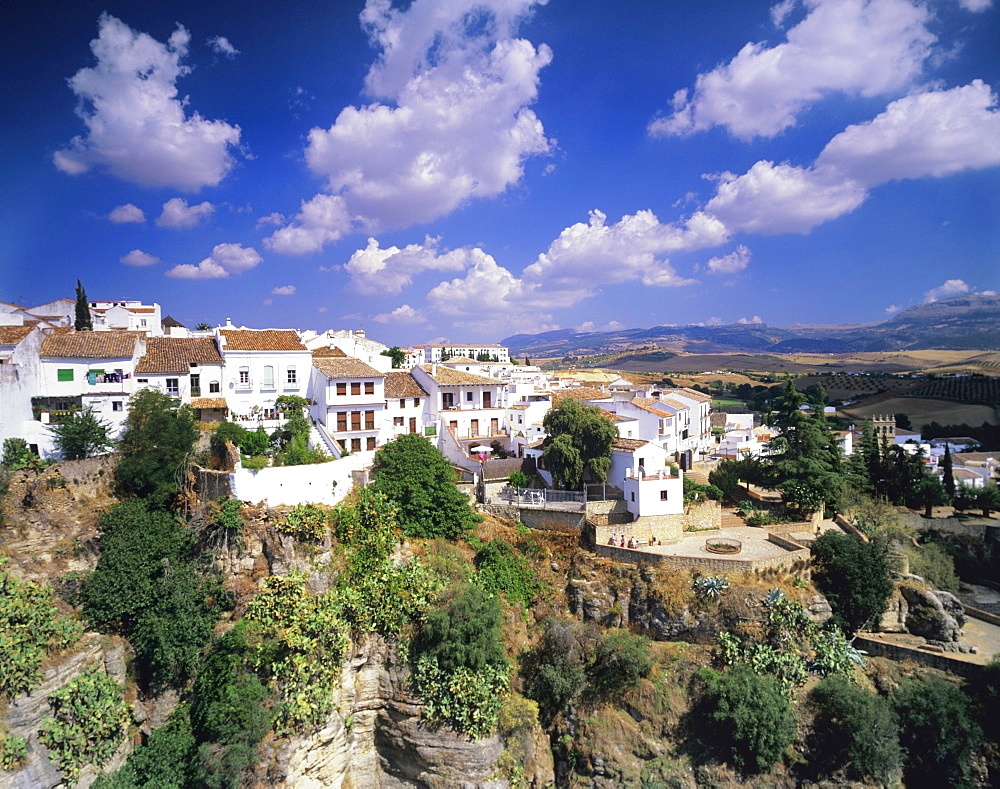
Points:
(923, 410)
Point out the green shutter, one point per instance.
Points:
(64, 375)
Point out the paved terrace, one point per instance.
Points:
(754, 539)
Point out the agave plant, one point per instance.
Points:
(711, 587)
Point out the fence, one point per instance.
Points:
(540, 497)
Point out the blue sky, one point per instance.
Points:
(456, 170)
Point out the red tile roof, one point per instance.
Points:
(261, 340)
(445, 376)
(209, 402)
(90, 344)
(175, 354)
(348, 367)
(402, 384)
(12, 335)
(328, 353)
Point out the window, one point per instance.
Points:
(267, 382)
(341, 421)
(447, 399)
(64, 375)
(142, 380)
(355, 420)
(195, 385)
(355, 445)
(369, 387)
(369, 420)
(173, 387)
(468, 397)
(292, 376)
(117, 405)
(244, 376)
(402, 402)
(663, 495)
(397, 421)
(341, 390)
(370, 443)
(214, 387)
(416, 402)
(356, 387)
(142, 322)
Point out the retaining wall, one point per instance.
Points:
(938, 660)
(552, 520)
(292, 485)
(793, 560)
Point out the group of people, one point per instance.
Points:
(620, 541)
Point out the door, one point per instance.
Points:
(474, 427)
(487, 399)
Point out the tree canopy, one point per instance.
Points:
(154, 450)
(578, 443)
(80, 435)
(83, 321)
(397, 355)
(420, 481)
(854, 576)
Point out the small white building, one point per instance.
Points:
(261, 365)
(349, 401)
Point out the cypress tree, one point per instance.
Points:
(83, 320)
(949, 477)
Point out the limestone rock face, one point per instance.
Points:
(894, 618)
(929, 616)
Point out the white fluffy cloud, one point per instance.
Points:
(177, 214)
(220, 46)
(856, 47)
(733, 263)
(450, 121)
(225, 260)
(935, 133)
(321, 220)
(402, 314)
(137, 127)
(975, 5)
(376, 271)
(123, 214)
(284, 290)
(951, 287)
(139, 258)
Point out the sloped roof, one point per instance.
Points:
(328, 353)
(580, 393)
(402, 384)
(628, 444)
(209, 402)
(90, 344)
(459, 360)
(175, 354)
(12, 335)
(445, 376)
(171, 322)
(261, 340)
(655, 406)
(348, 367)
(694, 394)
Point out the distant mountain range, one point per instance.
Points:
(969, 322)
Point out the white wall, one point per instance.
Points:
(297, 484)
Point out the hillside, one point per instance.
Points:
(969, 322)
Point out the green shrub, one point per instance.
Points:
(557, 675)
(854, 576)
(88, 722)
(620, 661)
(502, 570)
(13, 751)
(305, 522)
(938, 732)
(17, 455)
(695, 491)
(854, 731)
(29, 628)
(165, 761)
(934, 564)
(753, 717)
(255, 442)
(519, 479)
(255, 463)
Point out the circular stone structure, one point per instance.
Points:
(723, 545)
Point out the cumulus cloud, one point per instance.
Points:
(935, 133)
(376, 271)
(321, 220)
(225, 260)
(139, 258)
(451, 119)
(892, 309)
(273, 218)
(220, 46)
(284, 290)
(733, 263)
(975, 5)
(856, 47)
(123, 214)
(137, 127)
(951, 287)
(177, 214)
(402, 314)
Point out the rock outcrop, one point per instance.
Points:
(937, 616)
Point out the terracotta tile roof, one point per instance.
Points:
(12, 335)
(964, 473)
(348, 367)
(261, 340)
(175, 354)
(445, 376)
(141, 309)
(580, 393)
(209, 402)
(459, 360)
(974, 457)
(613, 417)
(694, 394)
(654, 406)
(402, 384)
(718, 419)
(90, 344)
(628, 444)
(328, 353)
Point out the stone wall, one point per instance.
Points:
(210, 485)
(552, 520)
(702, 516)
(605, 513)
(793, 561)
(938, 660)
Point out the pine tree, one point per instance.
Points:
(949, 476)
(83, 320)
